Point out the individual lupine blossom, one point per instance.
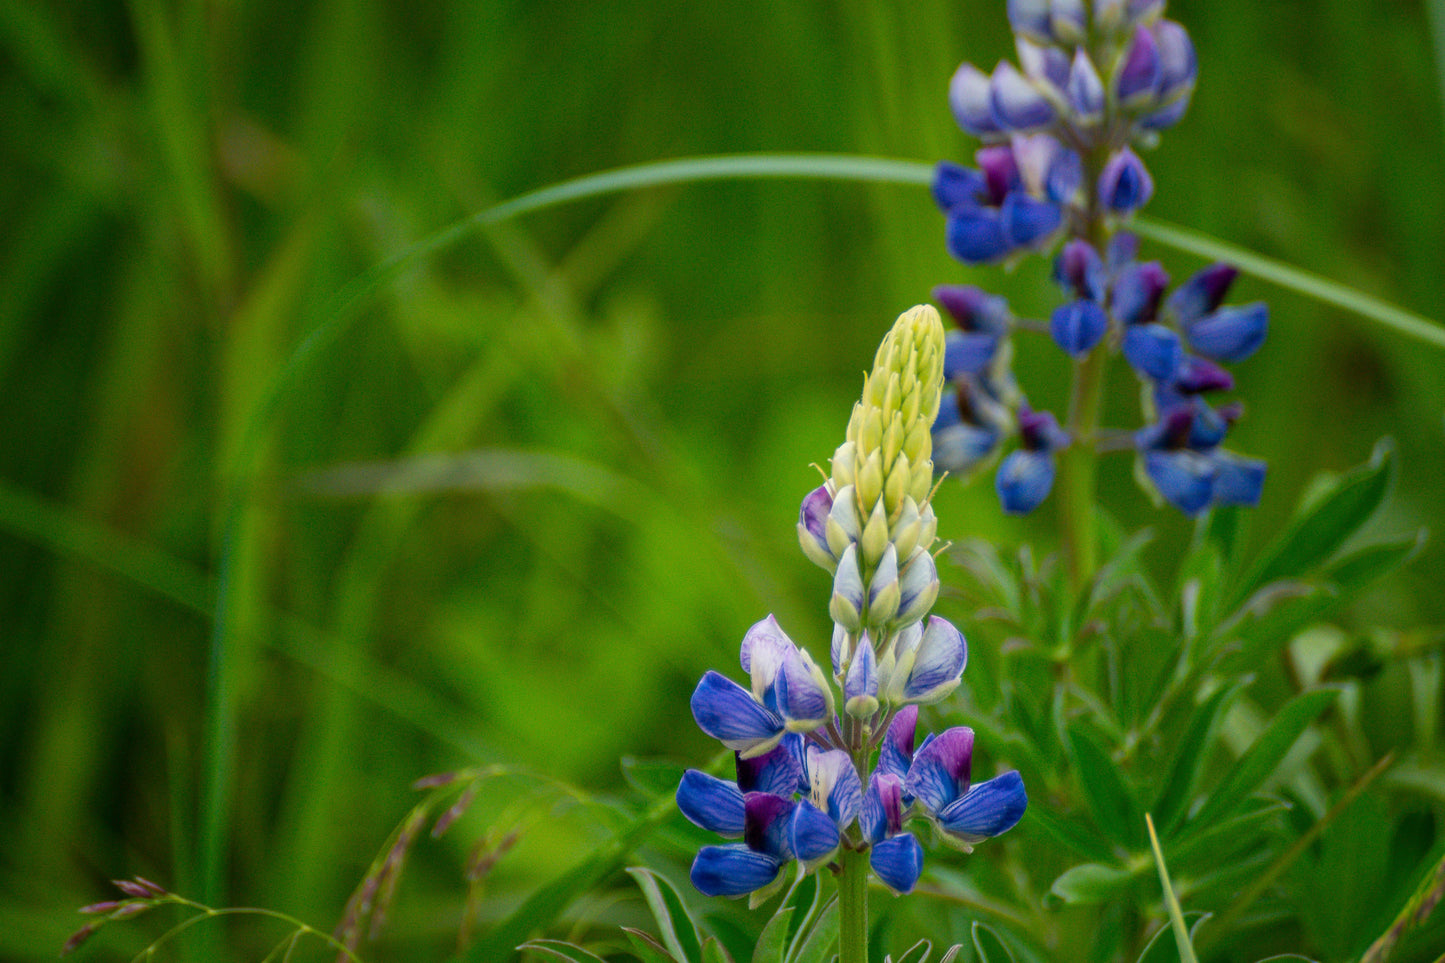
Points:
(1093, 82)
(803, 752)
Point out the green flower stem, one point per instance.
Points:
(853, 908)
(1077, 468)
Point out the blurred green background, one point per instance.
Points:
(616, 402)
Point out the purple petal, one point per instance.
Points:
(1137, 291)
(1178, 67)
(728, 712)
(1125, 184)
(1017, 103)
(765, 824)
(1230, 334)
(1078, 326)
(970, 97)
(1000, 171)
(1196, 376)
(1085, 88)
(732, 870)
(862, 680)
(1153, 350)
(813, 520)
(986, 810)
(1031, 18)
(898, 862)
(1040, 431)
(882, 812)
(804, 699)
(764, 649)
(1024, 480)
(714, 804)
(939, 773)
(895, 756)
(1081, 271)
(1139, 76)
(1202, 293)
(974, 309)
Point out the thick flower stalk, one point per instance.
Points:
(827, 776)
(1059, 171)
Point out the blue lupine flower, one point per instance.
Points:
(895, 856)
(1182, 457)
(995, 210)
(788, 693)
(924, 664)
(966, 814)
(1223, 333)
(983, 321)
(972, 420)
(1027, 474)
(717, 805)
(737, 869)
(1125, 184)
(813, 527)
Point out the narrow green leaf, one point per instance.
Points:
(1163, 948)
(1262, 758)
(561, 950)
(1198, 845)
(670, 913)
(538, 911)
(649, 950)
(1324, 524)
(1112, 805)
(818, 947)
(1091, 883)
(990, 948)
(653, 778)
(917, 953)
(1176, 915)
(773, 942)
(1084, 841)
(1189, 757)
(714, 952)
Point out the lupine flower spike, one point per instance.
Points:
(823, 777)
(1094, 85)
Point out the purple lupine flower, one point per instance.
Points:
(994, 211)
(813, 527)
(983, 321)
(896, 857)
(966, 814)
(717, 805)
(925, 664)
(1222, 333)
(1125, 184)
(1182, 457)
(1027, 474)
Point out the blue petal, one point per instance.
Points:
(955, 185)
(1078, 326)
(732, 870)
(1202, 293)
(1184, 478)
(779, 772)
(1086, 90)
(895, 756)
(976, 236)
(970, 97)
(898, 862)
(714, 804)
(882, 812)
(961, 447)
(1178, 66)
(1230, 334)
(1017, 103)
(942, 654)
(1240, 481)
(1026, 219)
(1024, 480)
(967, 353)
(804, 699)
(1153, 350)
(862, 680)
(1031, 18)
(919, 584)
(813, 834)
(728, 712)
(836, 787)
(987, 809)
(974, 309)
(939, 773)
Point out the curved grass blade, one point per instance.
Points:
(1176, 915)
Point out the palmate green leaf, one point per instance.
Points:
(818, 946)
(1110, 802)
(1259, 637)
(1324, 523)
(1263, 756)
(1190, 756)
(990, 948)
(1092, 883)
(675, 926)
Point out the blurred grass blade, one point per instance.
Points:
(1311, 285)
(1176, 916)
(1417, 909)
(561, 950)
